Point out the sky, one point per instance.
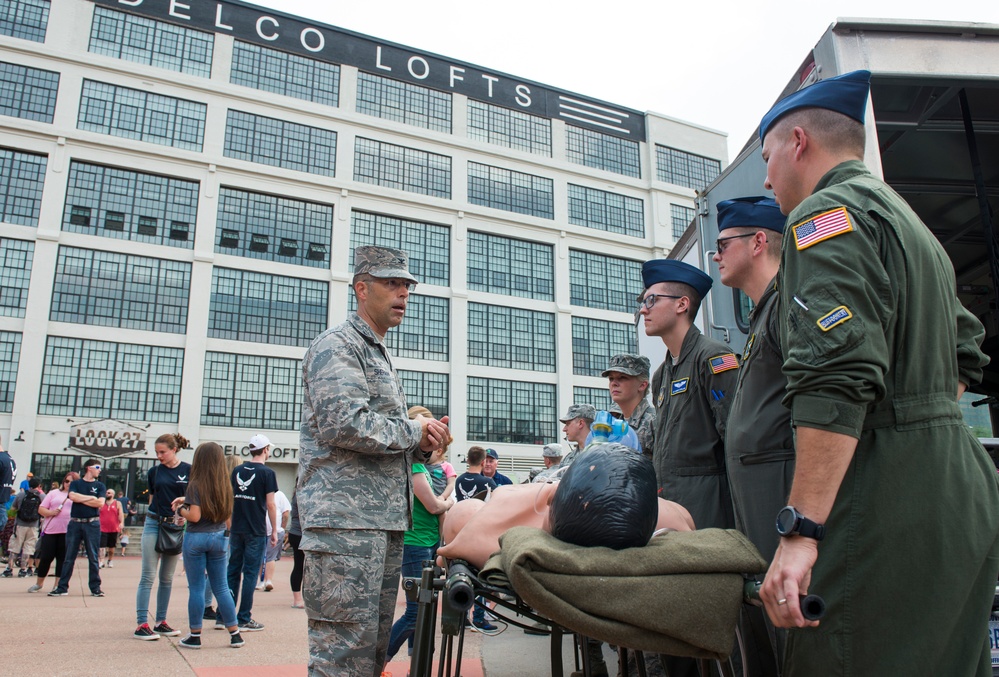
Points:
(719, 64)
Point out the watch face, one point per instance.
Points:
(786, 521)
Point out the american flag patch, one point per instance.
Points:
(822, 227)
(723, 363)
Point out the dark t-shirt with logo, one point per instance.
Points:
(251, 482)
(470, 483)
(166, 484)
(95, 489)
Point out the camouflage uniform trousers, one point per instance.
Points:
(350, 589)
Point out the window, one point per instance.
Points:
(607, 282)
(15, 274)
(416, 171)
(130, 205)
(680, 217)
(512, 338)
(428, 245)
(89, 379)
(403, 102)
(22, 177)
(598, 397)
(132, 114)
(25, 19)
(511, 411)
(249, 391)
(28, 93)
(510, 191)
(280, 143)
(426, 389)
(10, 355)
(685, 169)
(425, 331)
(510, 128)
(119, 290)
(602, 151)
(248, 306)
(249, 222)
(135, 38)
(607, 211)
(503, 265)
(287, 74)
(594, 342)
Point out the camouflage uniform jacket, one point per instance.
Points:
(356, 439)
(643, 420)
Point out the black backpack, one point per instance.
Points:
(28, 511)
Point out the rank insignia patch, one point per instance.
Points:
(834, 317)
(723, 363)
(678, 387)
(822, 227)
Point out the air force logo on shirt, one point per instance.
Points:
(244, 486)
(678, 386)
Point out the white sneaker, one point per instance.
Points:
(110, 565)
(268, 586)
(102, 565)
(259, 586)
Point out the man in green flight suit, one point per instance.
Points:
(893, 515)
(759, 444)
(691, 391)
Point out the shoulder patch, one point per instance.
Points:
(678, 386)
(822, 227)
(834, 317)
(723, 363)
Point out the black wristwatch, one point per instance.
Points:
(790, 522)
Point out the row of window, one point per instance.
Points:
(176, 122)
(101, 379)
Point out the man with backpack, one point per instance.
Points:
(25, 530)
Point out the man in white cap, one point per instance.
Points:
(253, 489)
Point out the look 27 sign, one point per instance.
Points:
(107, 438)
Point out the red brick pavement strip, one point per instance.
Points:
(81, 635)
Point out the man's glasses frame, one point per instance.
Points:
(649, 300)
(721, 243)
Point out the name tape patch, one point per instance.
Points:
(723, 363)
(822, 227)
(834, 317)
(678, 386)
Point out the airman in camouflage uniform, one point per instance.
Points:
(629, 392)
(576, 426)
(354, 490)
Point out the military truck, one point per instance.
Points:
(932, 134)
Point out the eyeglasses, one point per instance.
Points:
(650, 300)
(720, 245)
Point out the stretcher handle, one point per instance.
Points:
(459, 587)
(813, 607)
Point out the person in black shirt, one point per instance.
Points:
(8, 470)
(87, 495)
(253, 488)
(472, 481)
(167, 481)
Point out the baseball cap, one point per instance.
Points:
(629, 364)
(384, 262)
(491, 453)
(579, 411)
(258, 442)
(31, 474)
(552, 450)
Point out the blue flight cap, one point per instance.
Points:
(846, 94)
(671, 270)
(750, 212)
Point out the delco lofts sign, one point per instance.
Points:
(107, 438)
(287, 33)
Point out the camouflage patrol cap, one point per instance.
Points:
(383, 262)
(553, 450)
(629, 364)
(579, 411)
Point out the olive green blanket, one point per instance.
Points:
(678, 595)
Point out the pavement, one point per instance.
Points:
(80, 635)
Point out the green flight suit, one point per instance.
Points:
(692, 399)
(759, 458)
(759, 443)
(875, 342)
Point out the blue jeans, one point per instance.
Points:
(150, 560)
(412, 567)
(246, 553)
(207, 552)
(90, 534)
